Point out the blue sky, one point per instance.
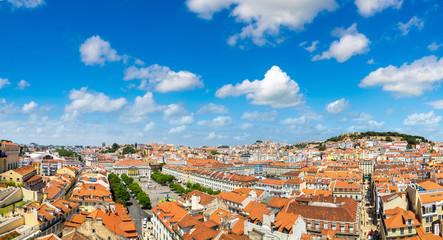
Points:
(206, 72)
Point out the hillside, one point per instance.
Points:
(386, 136)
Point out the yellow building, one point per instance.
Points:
(25, 176)
(8, 156)
(67, 170)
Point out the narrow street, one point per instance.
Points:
(137, 214)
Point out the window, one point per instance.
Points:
(409, 230)
(394, 230)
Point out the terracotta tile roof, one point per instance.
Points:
(204, 197)
(294, 181)
(278, 202)
(48, 237)
(74, 235)
(239, 227)
(272, 182)
(346, 210)
(131, 163)
(429, 185)
(431, 197)
(52, 191)
(24, 170)
(219, 214)
(399, 218)
(256, 211)
(285, 221)
(232, 197)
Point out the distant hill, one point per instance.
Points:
(386, 136)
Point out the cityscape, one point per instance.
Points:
(221, 120)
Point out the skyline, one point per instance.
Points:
(202, 72)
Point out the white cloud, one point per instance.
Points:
(163, 79)
(422, 119)
(305, 119)
(4, 82)
(371, 61)
(337, 107)
(413, 22)
(212, 136)
(143, 105)
(276, 89)
(434, 46)
(84, 101)
(368, 8)
(97, 51)
(409, 79)
(245, 126)
(212, 108)
(218, 122)
(29, 107)
(360, 117)
(351, 43)
(149, 126)
(313, 46)
(178, 129)
(264, 19)
(26, 3)
(260, 116)
(175, 114)
(436, 104)
(139, 62)
(375, 124)
(22, 85)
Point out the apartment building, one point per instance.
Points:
(165, 217)
(398, 223)
(215, 180)
(133, 168)
(25, 176)
(274, 187)
(8, 156)
(320, 213)
(347, 189)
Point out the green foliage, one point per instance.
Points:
(66, 153)
(11, 184)
(214, 152)
(113, 148)
(389, 139)
(191, 187)
(119, 192)
(128, 149)
(321, 148)
(162, 178)
(412, 140)
(158, 168)
(126, 179)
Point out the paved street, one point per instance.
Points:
(157, 192)
(137, 214)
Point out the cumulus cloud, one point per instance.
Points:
(178, 129)
(22, 85)
(176, 114)
(143, 105)
(84, 101)
(149, 127)
(218, 122)
(163, 79)
(434, 46)
(213, 135)
(360, 117)
(277, 89)
(260, 116)
(29, 107)
(413, 22)
(423, 119)
(4, 82)
(337, 107)
(313, 46)
(436, 104)
(212, 108)
(263, 19)
(409, 79)
(305, 119)
(96, 51)
(371, 61)
(375, 124)
(368, 8)
(26, 3)
(351, 43)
